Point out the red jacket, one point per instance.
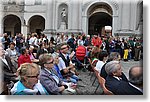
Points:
(96, 41)
(23, 59)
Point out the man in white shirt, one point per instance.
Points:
(65, 65)
(103, 56)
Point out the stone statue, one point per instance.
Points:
(63, 15)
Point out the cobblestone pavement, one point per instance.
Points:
(85, 86)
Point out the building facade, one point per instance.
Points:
(72, 16)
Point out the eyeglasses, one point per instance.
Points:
(50, 62)
(33, 76)
(64, 48)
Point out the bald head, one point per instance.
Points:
(136, 75)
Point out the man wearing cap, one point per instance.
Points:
(87, 41)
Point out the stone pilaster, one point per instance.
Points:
(1, 17)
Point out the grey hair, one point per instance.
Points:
(111, 67)
(113, 55)
(43, 58)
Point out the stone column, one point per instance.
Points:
(24, 29)
(85, 24)
(49, 12)
(49, 19)
(133, 16)
(1, 17)
(76, 14)
(115, 24)
(125, 19)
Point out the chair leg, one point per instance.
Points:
(91, 76)
(90, 73)
(96, 88)
(94, 81)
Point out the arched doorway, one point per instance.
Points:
(12, 25)
(36, 24)
(99, 16)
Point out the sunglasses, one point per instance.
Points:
(50, 62)
(33, 76)
(64, 48)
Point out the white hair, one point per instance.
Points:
(111, 67)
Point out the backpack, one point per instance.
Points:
(80, 53)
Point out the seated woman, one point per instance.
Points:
(28, 83)
(48, 77)
(13, 54)
(32, 55)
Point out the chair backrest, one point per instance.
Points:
(92, 64)
(101, 81)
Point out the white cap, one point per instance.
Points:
(88, 35)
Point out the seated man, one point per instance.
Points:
(136, 79)
(71, 86)
(8, 70)
(113, 56)
(24, 57)
(116, 81)
(66, 67)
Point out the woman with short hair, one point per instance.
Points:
(48, 77)
(28, 83)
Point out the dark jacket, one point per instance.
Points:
(120, 87)
(8, 70)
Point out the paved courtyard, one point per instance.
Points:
(85, 86)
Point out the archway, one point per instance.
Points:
(12, 25)
(100, 15)
(36, 24)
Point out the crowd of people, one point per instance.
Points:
(41, 66)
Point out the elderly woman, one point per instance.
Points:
(28, 83)
(48, 77)
(13, 54)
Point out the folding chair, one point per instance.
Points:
(101, 81)
(93, 65)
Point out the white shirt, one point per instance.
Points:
(80, 42)
(4, 60)
(99, 65)
(61, 63)
(136, 87)
(33, 40)
(13, 53)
